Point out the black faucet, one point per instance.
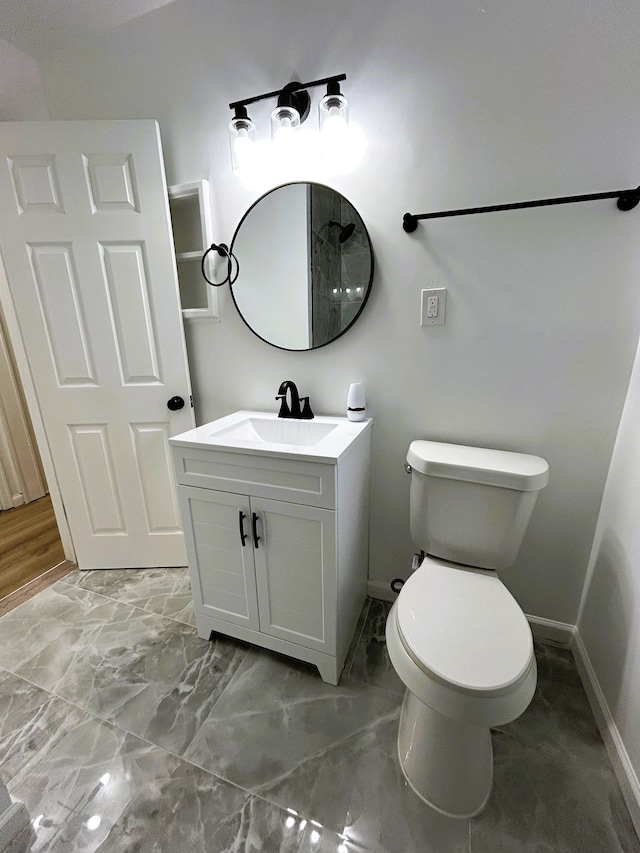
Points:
(293, 411)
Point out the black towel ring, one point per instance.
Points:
(224, 252)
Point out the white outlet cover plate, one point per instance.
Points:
(441, 293)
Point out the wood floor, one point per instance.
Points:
(29, 544)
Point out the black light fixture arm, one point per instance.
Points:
(627, 200)
(290, 87)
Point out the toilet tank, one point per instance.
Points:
(472, 505)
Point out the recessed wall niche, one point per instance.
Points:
(191, 222)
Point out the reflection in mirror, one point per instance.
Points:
(306, 266)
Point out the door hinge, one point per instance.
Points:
(191, 400)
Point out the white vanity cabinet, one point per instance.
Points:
(277, 544)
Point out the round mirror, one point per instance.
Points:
(305, 266)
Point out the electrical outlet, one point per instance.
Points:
(432, 306)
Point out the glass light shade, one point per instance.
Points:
(334, 115)
(285, 121)
(241, 142)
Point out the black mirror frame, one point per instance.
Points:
(369, 285)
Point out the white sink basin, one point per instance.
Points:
(276, 431)
(323, 438)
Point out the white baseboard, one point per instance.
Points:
(381, 590)
(542, 629)
(568, 635)
(622, 766)
(549, 629)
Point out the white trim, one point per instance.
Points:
(568, 635)
(199, 190)
(21, 474)
(549, 629)
(33, 407)
(380, 590)
(10, 480)
(5, 489)
(542, 629)
(622, 765)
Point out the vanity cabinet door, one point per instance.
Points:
(220, 558)
(295, 566)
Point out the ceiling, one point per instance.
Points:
(39, 26)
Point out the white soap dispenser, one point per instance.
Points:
(356, 402)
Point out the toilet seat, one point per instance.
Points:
(463, 628)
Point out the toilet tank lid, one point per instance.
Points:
(479, 465)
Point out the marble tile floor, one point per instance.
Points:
(121, 730)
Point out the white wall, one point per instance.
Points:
(21, 95)
(461, 104)
(609, 621)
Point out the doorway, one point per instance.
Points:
(30, 543)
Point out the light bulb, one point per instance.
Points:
(243, 149)
(334, 128)
(284, 132)
(334, 116)
(335, 125)
(241, 135)
(285, 121)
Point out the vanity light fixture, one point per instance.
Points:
(241, 137)
(293, 107)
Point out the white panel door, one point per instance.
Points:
(88, 251)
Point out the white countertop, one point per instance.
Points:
(322, 439)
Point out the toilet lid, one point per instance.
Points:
(463, 627)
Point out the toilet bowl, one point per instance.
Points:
(463, 648)
(455, 635)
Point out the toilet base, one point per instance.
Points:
(448, 764)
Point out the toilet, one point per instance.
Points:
(455, 635)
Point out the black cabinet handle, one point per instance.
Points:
(243, 535)
(175, 403)
(254, 525)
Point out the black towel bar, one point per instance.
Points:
(627, 200)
